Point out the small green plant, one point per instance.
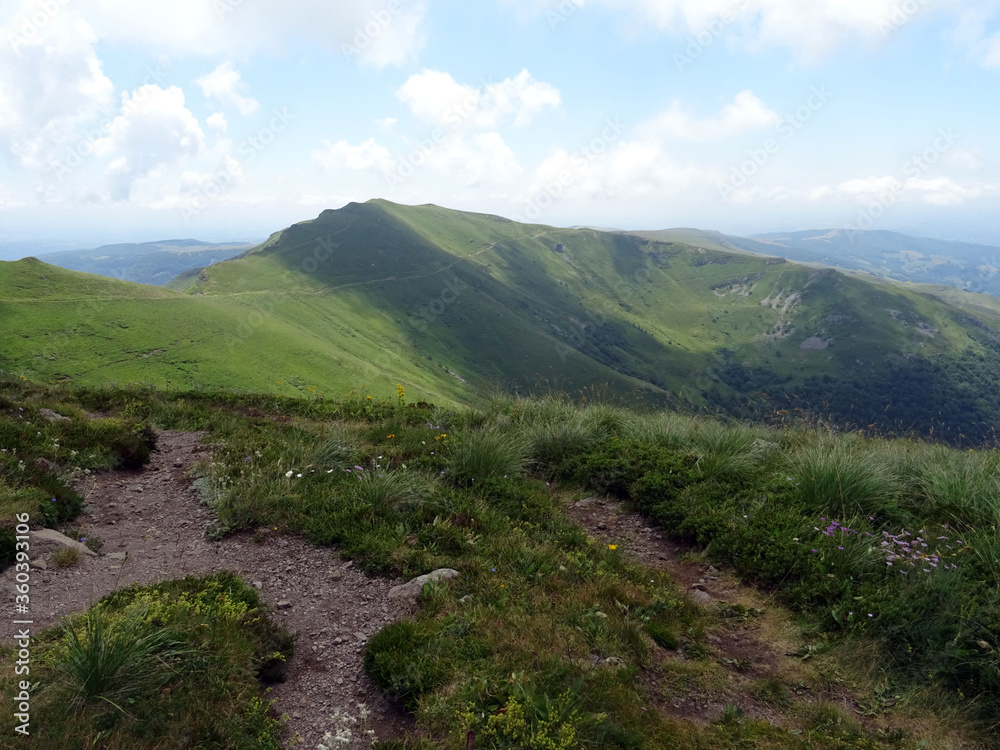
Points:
(66, 557)
(514, 728)
(663, 636)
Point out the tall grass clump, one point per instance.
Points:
(726, 450)
(487, 454)
(385, 490)
(338, 451)
(671, 431)
(962, 488)
(847, 481)
(112, 659)
(550, 443)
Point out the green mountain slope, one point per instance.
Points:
(146, 263)
(448, 302)
(67, 326)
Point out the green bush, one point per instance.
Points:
(615, 465)
(400, 661)
(168, 666)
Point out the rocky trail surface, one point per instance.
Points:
(152, 524)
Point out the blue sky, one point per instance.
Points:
(230, 119)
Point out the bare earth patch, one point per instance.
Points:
(152, 524)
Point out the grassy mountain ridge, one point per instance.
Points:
(449, 301)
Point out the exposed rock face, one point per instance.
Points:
(412, 589)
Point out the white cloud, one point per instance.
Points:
(943, 191)
(869, 188)
(367, 155)
(217, 124)
(473, 160)
(812, 29)
(745, 112)
(435, 97)
(373, 32)
(155, 129)
(224, 85)
(385, 124)
(51, 82)
(627, 170)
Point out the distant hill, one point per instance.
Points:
(146, 263)
(447, 302)
(974, 268)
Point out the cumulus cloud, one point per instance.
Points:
(435, 97)
(342, 155)
(624, 170)
(225, 85)
(154, 130)
(745, 112)
(476, 159)
(51, 82)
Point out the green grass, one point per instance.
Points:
(546, 636)
(172, 665)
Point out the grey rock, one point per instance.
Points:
(53, 416)
(45, 465)
(284, 605)
(700, 597)
(412, 589)
(52, 535)
(587, 502)
(118, 556)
